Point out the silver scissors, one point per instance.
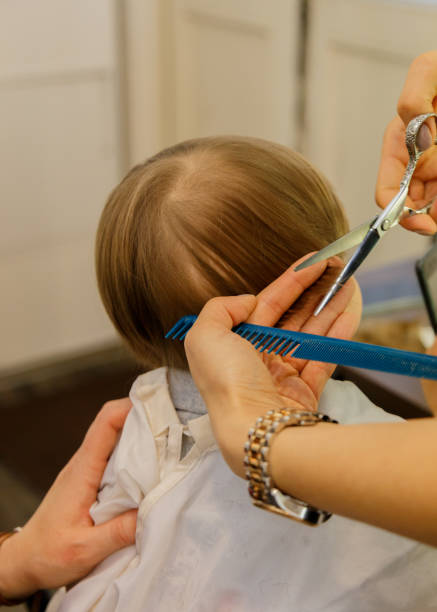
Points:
(368, 234)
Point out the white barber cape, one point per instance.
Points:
(202, 547)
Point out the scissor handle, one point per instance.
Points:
(411, 135)
(412, 132)
(393, 211)
(389, 217)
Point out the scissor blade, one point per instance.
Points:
(369, 242)
(340, 245)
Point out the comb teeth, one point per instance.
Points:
(275, 344)
(292, 346)
(181, 328)
(282, 345)
(328, 350)
(276, 341)
(260, 340)
(270, 341)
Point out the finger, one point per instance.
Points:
(226, 311)
(222, 363)
(322, 323)
(101, 438)
(277, 298)
(421, 224)
(426, 169)
(433, 210)
(296, 317)
(344, 326)
(420, 89)
(288, 384)
(109, 537)
(394, 160)
(211, 336)
(218, 316)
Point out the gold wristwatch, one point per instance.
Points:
(262, 490)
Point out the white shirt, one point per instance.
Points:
(202, 547)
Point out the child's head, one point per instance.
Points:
(207, 217)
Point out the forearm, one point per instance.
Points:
(383, 474)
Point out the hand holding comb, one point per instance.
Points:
(329, 350)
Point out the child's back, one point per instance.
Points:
(210, 217)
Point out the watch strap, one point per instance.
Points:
(262, 489)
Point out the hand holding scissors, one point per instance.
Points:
(368, 234)
(423, 186)
(418, 96)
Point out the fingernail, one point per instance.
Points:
(424, 138)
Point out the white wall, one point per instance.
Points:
(201, 67)
(60, 153)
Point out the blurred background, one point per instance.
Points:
(87, 89)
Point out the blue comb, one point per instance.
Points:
(330, 350)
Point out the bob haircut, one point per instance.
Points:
(207, 217)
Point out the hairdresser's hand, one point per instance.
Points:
(60, 543)
(232, 377)
(418, 97)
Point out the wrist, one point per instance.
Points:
(232, 414)
(230, 427)
(16, 580)
(292, 457)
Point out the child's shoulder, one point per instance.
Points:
(148, 383)
(133, 467)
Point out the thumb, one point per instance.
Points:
(227, 311)
(210, 342)
(420, 89)
(216, 319)
(114, 534)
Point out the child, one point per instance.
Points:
(221, 216)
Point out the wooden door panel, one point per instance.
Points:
(235, 69)
(358, 56)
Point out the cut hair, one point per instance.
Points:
(207, 217)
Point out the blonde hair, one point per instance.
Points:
(207, 217)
